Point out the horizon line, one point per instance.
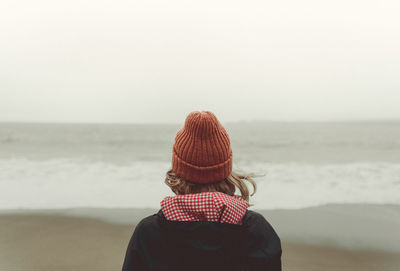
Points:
(225, 122)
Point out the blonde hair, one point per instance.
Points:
(228, 186)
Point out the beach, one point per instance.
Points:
(96, 239)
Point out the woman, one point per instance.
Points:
(205, 226)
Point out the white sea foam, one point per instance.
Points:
(63, 183)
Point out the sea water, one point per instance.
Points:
(47, 166)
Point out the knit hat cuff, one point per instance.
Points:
(201, 174)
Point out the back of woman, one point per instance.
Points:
(205, 226)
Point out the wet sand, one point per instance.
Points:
(34, 241)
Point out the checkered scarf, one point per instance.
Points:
(206, 206)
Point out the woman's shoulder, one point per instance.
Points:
(260, 228)
(263, 243)
(148, 222)
(252, 217)
(256, 220)
(148, 228)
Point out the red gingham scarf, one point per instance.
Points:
(206, 206)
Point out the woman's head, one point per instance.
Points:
(202, 159)
(202, 150)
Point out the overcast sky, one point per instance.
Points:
(155, 61)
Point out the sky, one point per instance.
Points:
(156, 61)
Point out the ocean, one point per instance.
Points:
(51, 166)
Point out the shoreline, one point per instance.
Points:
(353, 226)
(340, 237)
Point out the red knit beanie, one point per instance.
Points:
(202, 152)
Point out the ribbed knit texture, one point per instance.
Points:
(202, 152)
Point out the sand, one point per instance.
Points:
(32, 240)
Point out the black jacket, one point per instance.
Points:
(161, 244)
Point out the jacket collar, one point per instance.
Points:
(205, 206)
